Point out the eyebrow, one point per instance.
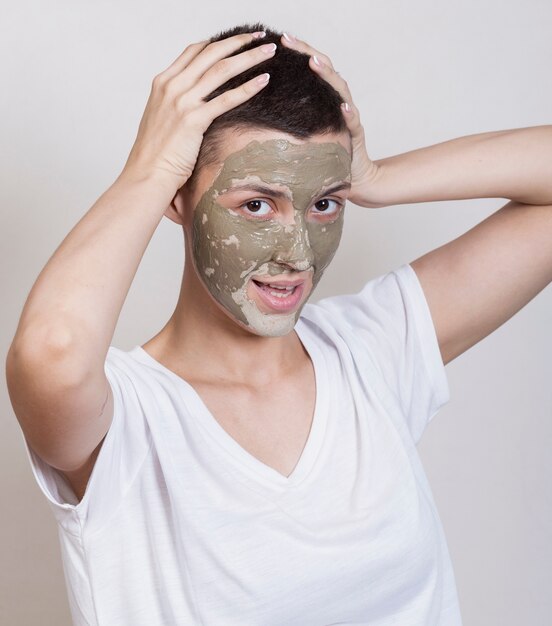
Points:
(276, 193)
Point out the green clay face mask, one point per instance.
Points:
(230, 248)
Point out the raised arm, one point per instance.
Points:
(476, 282)
(479, 280)
(55, 366)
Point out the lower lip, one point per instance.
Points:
(282, 304)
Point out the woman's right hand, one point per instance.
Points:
(176, 116)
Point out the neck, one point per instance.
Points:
(203, 343)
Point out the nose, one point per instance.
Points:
(293, 248)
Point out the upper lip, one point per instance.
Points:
(281, 283)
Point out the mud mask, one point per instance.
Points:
(229, 248)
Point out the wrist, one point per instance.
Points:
(369, 190)
(159, 182)
(148, 189)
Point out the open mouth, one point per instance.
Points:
(279, 297)
(276, 290)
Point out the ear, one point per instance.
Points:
(177, 208)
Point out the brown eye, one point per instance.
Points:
(326, 206)
(258, 207)
(254, 205)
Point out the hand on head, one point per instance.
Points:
(176, 114)
(363, 169)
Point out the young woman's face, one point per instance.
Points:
(268, 223)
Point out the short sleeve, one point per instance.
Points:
(390, 318)
(124, 448)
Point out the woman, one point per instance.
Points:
(255, 461)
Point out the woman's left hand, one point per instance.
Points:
(364, 171)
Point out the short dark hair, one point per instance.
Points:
(295, 101)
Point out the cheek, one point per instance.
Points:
(226, 248)
(324, 240)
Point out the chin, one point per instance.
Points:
(262, 322)
(266, 324)
(254, 318)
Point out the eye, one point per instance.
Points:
(257, 207)
(327, 206)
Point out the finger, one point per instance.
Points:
(230, 67)
(301, 46)
(352, 119)
(322, 65)
(234, 97)
(332, 77)
(215, 52)
(350, 111)
(184, 59)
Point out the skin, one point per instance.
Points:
(203, 341)
(231, 245)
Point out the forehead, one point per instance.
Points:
(279, 159)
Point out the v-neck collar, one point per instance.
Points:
(239, 455)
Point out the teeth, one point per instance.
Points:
(279, 294)
(280, 291)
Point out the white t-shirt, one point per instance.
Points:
(181, 525)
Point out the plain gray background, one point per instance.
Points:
(75, 79)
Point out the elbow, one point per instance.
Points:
(52, 348)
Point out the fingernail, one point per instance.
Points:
(289, 38)
(268, 48)
(346, 107)
(259, 34)
(317, 61)
(263, 78)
